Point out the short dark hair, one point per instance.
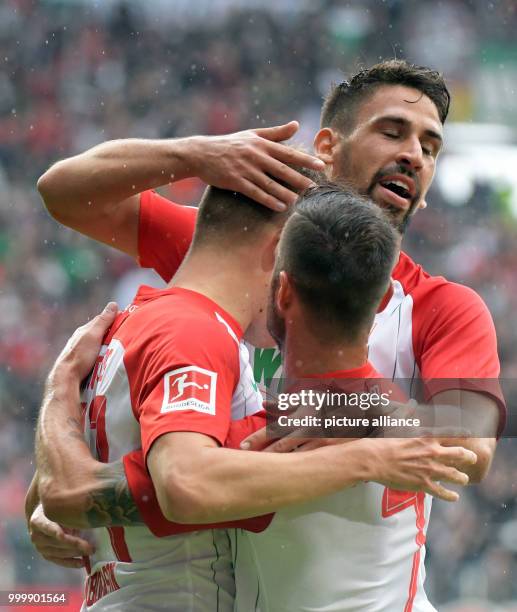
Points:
(338, 249)
(230, 214)
(341, 104)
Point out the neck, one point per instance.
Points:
(304, 354)
(226, 278)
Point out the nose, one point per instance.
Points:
(411, 153)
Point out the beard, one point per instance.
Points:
(275, 323)
(398, 218)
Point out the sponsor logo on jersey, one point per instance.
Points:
(189, 388)
(266, 365)
(101, 583)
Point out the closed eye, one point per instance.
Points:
(391, 134)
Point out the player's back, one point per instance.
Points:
(358, 550)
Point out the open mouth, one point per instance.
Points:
(398, 188)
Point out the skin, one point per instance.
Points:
(374, 145)
(397, 125)
(107, 207)
(198, 482)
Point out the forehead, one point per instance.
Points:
(401, 101)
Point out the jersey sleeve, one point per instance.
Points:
(165, 231)
(455, 343)
(184, 378)
(144, 494)
(242, 428)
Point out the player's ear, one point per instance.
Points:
(324, 143)
(422, 205)
(269, 252)
(284, 293)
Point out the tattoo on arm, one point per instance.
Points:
(108, 501)
(76, 430)
(111, 503)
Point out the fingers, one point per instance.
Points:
(286, 445)
(47, 549)
(437, 490)
(110, 312)
(260, 185)
(310, 445)
(320, 442)
(457, 456)
(42, 527)
(253, 191)
(269, 186)
(103, 320)
(61, 546)
(71, 562)
(253, 161)
(279, 170)
(454, 476)
(295, 157)
(77, 546)
(50, 539)
(278, 133)
(256, 441)
(82, 347)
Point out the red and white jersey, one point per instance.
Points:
(172, 361)
(335, 553)
(427, 327)
(360, 549)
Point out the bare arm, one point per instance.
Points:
(96, 192)
(480, 415)
(32, 497)
(61, 546)
(469, 411)
(75, 489)
(198, 482)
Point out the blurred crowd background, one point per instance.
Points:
(73, 74)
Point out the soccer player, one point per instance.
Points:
(381, 132)
(132, 399)
(360, 549)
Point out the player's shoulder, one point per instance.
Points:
(177, 317)
(151, 198)
(433, 292)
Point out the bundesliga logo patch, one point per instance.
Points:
(189, 388)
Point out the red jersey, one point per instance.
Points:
(427, 328)
(171, 362)
(144, 494)
(387, 527)
(430, 334)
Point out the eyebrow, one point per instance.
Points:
(404, 122)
